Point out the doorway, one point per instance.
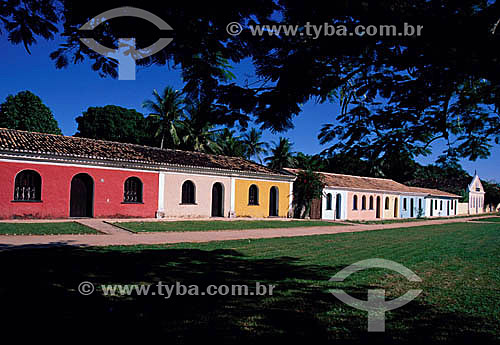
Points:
(217, 200)
(338, 206)
(81, 196)
(273, 202)
(378, 207)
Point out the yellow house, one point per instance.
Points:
(391, 206)
(262, 198)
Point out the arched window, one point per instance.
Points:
(371, 202)
(132, 191)
(387, 203)
(253, 195)
(355, 202)
(441, 205)
(188, 193)
(404, 204)
(329, 201)
(28, 186)
(363, 202)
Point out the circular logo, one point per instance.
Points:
(86, 288)
(234, 28)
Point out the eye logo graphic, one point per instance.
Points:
(376, 305)
(126, 54)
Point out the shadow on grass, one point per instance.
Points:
(39, 294)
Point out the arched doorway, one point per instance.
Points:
(378, 207)
(396, 208)
(411, 207)
(273, 202)
(217, 200)
(82, 196)
(338, 206)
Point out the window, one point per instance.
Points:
(387, 203)
(435, 204)
(441, 205)
(363, 203)
(371, 202)
(253, 195)
(451, 205)
(28, 186)
(132, 191)
(329, 201)
(404, 204)
(188, 193)
(355, 202)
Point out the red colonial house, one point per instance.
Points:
(53, 176)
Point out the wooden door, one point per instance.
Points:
(315, 212)
(217, 198)
(81, 196)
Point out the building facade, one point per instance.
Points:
(348, 197)
(54, 176)
(476, 196)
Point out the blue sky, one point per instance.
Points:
(70, 91)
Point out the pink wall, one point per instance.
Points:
(360, 214)
(56, 183)
(203, 195)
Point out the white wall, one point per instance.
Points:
(330, 214)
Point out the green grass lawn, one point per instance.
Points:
(406, 220)
(211, 225)
(45, 228)
(458, 264)
(489, 219)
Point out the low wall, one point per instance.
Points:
(463, 208)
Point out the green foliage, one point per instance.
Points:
(167, 107)
(229, 144)
(114, 123)
(195, 130)
(282, 155)
(492, 193)
(307, 187)
(25, 111)
(26, 19)
(254, 146)
(396, 93)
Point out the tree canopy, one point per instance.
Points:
(396, 93)
(114, 123)
(26, 111)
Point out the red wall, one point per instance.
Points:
(56, 183)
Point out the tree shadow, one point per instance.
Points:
(39, 295)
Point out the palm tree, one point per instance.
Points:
(198, 134)
(254, 147)
(282, 155)
(168, 108)
(229, 145)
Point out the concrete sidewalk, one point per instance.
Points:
(116, 236)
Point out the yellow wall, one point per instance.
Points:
(241, 207)
(390, 212)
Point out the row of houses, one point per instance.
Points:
(55, 176)
(347, 197)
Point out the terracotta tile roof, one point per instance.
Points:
(74, 147)
(373, 183)
(432, 192)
